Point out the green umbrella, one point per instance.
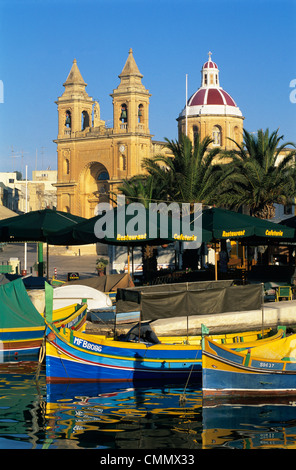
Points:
(36, 226)
(128, 228)
(224, 224)
(289, 222)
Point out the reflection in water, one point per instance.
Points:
(122, 416)
(246, 424)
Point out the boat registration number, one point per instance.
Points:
(82, 343)
(267, 365)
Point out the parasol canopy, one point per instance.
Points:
(36, 226)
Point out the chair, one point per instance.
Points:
(283, 292)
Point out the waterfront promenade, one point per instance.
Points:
(84, 264)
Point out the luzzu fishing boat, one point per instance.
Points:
(75, 356)
(263, 370)
(22, 327)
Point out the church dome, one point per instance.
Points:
(210, 98)
(210, 65)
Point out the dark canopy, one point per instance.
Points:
(289, 222)
(224, 224)
(186, 299)
(108, 283)
(137, 230)
(36, 226)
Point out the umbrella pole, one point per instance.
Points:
(47, 257)
(128, 259)
(216, 262)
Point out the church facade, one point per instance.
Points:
(93, 159)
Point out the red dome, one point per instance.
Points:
(212, 96)
(210, 65)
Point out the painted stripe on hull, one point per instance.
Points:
(24, 354)
(67, 370)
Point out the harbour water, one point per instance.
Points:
(124, 417)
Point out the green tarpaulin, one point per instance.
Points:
(17, 310)
(186, 299)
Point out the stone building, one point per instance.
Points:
(92, 158)
(211, 111)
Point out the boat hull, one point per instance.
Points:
(226, 372)
(80, 358)
(20, 344)
(23, 344)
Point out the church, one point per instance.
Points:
(93, 159)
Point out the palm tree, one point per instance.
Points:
(191, 174)
(143, 189)
(258, 175)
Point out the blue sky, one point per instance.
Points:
(253, 43)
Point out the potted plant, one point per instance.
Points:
(101, 264)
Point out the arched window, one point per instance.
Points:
(68, 119)
(104, 175)
(140, 113)
(84, 120)
(195, 132)
(123, 114)
(122, 162)
(217, 135)
(66, 166)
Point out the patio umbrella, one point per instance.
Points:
(225, 224)
(134, 229)
(289, 222)
(36, 226)
(127, 229)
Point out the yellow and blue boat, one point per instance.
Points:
(76, 356)
(73, 356)
(259, 371)
(22, 327)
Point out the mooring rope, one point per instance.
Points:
(41, 357)
(182, 397)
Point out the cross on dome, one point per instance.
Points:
(210, 55)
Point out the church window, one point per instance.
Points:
(206, 78)
(195, 132)
(122, 162)
(104, 175)
(84, 120)
(67, 166)
(140, 113)
(217, 135)
(68, 119)
(123, 113)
